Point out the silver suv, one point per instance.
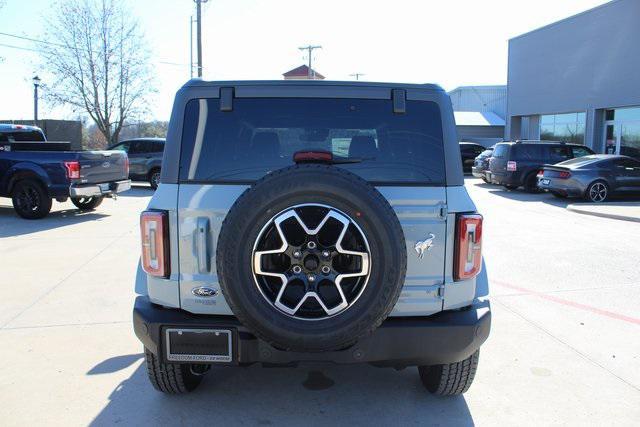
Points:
(311, 221)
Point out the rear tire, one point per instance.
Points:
(30, 199)
(531, 183)
(170, 378)
(486, 180)
(450, 379)
(87, 203)
(154, 178)
(510, 187)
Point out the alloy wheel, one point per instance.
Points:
(311, 261)
(155, 179)
(598, 192)
(28, 199)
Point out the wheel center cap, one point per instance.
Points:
(311, 262)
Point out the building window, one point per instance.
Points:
(567, 127)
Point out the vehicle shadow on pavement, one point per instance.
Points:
(12, 225)
(523, 196)
(311, 394)
(138, 191)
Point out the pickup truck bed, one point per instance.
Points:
(85, 176)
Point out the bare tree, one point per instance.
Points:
(99, 63)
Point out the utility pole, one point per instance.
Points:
(199, 33)
(36, 84)
(356, 75)
(309, 49)
(191, 46)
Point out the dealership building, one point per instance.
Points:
(578, 80)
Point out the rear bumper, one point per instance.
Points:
(506, 178)
(566, 187)
(93, 190)
(443, 338)
(478, 172)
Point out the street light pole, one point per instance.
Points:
(36, 84)
(356, 75)
(199, 33)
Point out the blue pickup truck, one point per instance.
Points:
(33, 172)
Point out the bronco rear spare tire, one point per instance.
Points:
(311, 258)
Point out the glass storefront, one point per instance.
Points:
(568, 127)
(622, 131)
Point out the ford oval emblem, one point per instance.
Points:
(204, 291)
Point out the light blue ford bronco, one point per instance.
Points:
(314, 221)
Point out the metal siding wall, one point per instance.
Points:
(587, 62)
(480, 98)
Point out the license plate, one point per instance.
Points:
(544, 182)
(199, 345)
(104, 187)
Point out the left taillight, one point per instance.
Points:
(73, 169)
(154, 232)
(468, 247)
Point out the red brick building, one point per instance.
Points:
(302, 73)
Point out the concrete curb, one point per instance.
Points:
(584, 210)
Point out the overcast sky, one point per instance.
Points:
(452, 43)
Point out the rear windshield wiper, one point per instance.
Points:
(326, 157)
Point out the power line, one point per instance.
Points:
(15, 36)
(66, 47)
(18, 47)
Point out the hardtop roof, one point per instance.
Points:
(196, 82)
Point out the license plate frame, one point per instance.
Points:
(104, 188)
(222, 336)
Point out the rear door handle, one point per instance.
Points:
(202, 233)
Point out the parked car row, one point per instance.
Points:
(564, 170)
(33, 172)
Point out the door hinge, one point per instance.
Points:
(443, 211)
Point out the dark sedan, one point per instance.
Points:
(481, 164)
(595, 178)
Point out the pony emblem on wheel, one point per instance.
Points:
(424, 245)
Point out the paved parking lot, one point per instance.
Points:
(564, 346)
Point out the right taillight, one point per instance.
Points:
(468, 247)
(154, 231)
(512, 166)
(564, 175)
(73, 169)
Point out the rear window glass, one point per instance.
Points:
(261, 135)
(501, 150)
(529, 152)
(21, 136)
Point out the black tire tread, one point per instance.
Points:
(224, 263)
(46, 200)
(450, 379)
(170, 378)
(94, 203)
